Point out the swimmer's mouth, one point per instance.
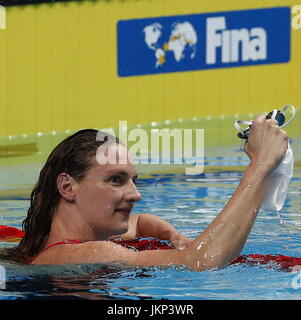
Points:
(124, 211)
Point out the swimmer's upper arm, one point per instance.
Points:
(109, 252)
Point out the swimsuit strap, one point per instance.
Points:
(68, 241)
(61, 242)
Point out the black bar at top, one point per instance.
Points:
(7, 3)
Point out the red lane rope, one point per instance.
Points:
(7, 233)
(281, 262)
(276, 261)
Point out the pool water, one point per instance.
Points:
(190, 203)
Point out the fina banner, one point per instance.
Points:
(203, 41)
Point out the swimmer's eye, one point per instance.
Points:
(116, 179)
(120, 180)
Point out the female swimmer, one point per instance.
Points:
(80, 202)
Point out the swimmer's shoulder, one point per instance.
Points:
(86, 252)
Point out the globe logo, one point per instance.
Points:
(182, 41)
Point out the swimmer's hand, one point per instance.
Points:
(149, 225)
(267, 143)
(180, 242)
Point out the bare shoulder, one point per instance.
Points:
(87, 252)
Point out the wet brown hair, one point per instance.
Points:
(75, 156)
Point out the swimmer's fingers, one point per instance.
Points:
(267, 142)
(260, 119)
(261, 123)
(273, 122)
(284, 137)
(244, 147)
(256, 126)
(182, 243)
(284, 133)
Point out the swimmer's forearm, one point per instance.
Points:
(225, 237)
(152, 226)
(148, 225)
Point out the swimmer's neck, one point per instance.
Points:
(79, 229)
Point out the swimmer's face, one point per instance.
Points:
(107, 194)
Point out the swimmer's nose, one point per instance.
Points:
(132, 194)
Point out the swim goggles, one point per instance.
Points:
(275, 114)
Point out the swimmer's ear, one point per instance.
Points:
(65, 185)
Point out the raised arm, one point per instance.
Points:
(225, 237)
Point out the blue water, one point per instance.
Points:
(189, 203)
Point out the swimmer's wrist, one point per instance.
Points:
(260, 169)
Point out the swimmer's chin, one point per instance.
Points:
(119, 233)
